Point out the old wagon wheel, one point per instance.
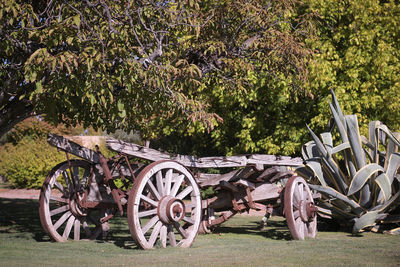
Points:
(60, 214)
(165, 206)
(299, 209)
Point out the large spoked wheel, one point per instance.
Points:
(164, 206)
(299, 209)
(60, 214)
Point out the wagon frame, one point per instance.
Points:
(162, 199)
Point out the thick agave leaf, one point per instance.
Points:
(367, 219)
(337, 108)
(362, 177)
(328, 142)
(318, 143)
(391, 203)
(386, 187)
(341, 147)
(309, 150)
(338, 177)
(355, 140)
(392, 166)
(342, 128)
(315, 165)
(373, 139)
(357, 209)
(335, 211)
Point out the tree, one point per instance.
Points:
(357, 55)
(145, 65)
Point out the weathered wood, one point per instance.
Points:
(205, 179)
(228, 186)
(262, 192)
(205, 162)
(66, 145)
(246, 184)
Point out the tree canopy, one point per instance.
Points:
(200, 77)
(142, 65)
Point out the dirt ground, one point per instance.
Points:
(19, 193)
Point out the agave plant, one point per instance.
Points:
(356, 176)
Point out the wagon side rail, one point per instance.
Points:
(73, 148)
(256, 160)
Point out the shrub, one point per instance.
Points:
(26, 164)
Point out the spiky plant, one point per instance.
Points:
(356, 176)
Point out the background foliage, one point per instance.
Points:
(357, 55)
(26, 158)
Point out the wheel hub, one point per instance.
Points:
(75, 208)
(307, 211)
(171, 210)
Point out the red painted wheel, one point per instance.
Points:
(299, 209)
(164, 206)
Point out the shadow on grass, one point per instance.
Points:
(21, 216)
(276, 230)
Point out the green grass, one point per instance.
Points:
(237, 242)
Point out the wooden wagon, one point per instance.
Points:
(162, 199)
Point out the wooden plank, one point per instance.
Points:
(256, 160)
(273, 160)
(263, 192)
(186, 160)
(66, 145)
(246, 184)
(205, 180)
(228, 186)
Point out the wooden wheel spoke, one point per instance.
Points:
(154, 234)
(168, 178)
(188, 220)
(296, 193)
(149, 200)
(185, 192)
(77, 230)
(68, 182)
(150, 224)
(68, 227)
(177, 185)
(296, 214)
(60, 187)
(76, 177)
(171, 235)
(62, 219)
(173, 183)
(301, 191)
(180, 229)
(59, 199)
(160, 184)
(163, 236)
(190, 206)
(147, 213)
(59, 210)
(153, 189)
(300, 227)
(85, 179)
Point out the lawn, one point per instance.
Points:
(237, 242)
